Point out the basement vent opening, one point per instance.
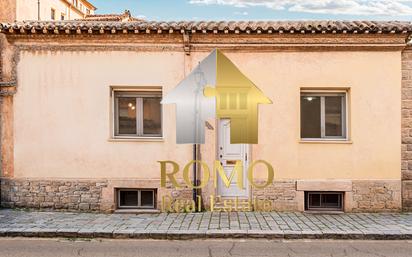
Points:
(136, 198)
(324, 201)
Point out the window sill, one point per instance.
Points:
(136, 211)
(136, 139)
(325, 142)
(337, 212)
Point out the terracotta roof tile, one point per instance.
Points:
(103, 22)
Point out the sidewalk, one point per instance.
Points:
(207, 225)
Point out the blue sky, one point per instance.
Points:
(260, 9)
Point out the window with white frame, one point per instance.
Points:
(137, 114)
(323, 115)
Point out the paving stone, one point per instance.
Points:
(202, 225)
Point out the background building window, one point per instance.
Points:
(332, 201)
(62, 16)
(323, 115)
(138, 114)
(136, 198)
(52, 14)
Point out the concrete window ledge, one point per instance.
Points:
(136, 139)
(324, 212)
(136, 211)
(344, 142)
(324, 185)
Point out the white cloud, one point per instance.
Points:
(140, 16)
(244, 13)
(351, 7)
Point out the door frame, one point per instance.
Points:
(245, 168)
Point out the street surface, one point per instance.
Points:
(20, 247)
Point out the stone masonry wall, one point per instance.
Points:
(407, 129)
(52, 194)
(181, 193)
(376, 196)
(77, 195)
(282, 193)
(366, 196)
(99, 195)
(2, 37)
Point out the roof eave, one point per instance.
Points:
(225, 27)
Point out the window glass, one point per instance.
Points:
(314, 200)
(137, 114)
(128, 198)
(146, 198)
(331, 200)
(151, 116)
(127, 115)
(136, 198)
(323, 115)
(333, 115)
(310, 117)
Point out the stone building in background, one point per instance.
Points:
(19, 10)
(126, 16)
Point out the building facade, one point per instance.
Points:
(88, 133)
(19, 10)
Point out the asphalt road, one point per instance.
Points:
(18, 247)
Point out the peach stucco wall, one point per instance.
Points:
(62, 113)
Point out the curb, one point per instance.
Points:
(215, 234)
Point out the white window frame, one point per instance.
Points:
(345, 122)
(139, 94)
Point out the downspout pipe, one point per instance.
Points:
(195, 181)
(38, 9)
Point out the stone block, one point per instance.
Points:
(47, 205)
(84, 206)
